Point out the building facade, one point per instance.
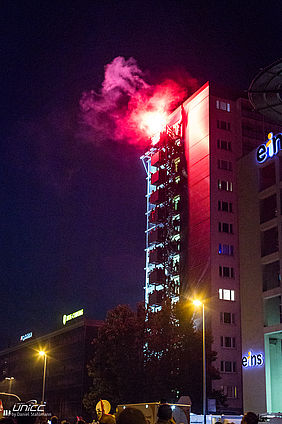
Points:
(192, 234)
(68, 352)
(260, 185)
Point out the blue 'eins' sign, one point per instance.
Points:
(270, 148)
(252, 360)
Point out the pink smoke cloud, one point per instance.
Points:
(127, 108)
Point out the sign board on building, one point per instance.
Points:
(69, 317)
(253, 360)
(270, 148)
(26, 336)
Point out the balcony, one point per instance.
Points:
(157, 236)
(157, 215)
(156, 298)
(158, 177)
(157, 276)
(156, 256)
(158, 158)
(157, 197)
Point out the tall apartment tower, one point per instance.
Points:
(192, 246)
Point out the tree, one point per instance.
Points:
(174, 355)
(117, 365)
(144, 356)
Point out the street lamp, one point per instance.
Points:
(43, 355)
(198, 303)
(10, 379)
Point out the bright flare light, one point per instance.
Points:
(197, 302)
(153, 122)
(41, 353)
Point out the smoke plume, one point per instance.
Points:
(127, 108)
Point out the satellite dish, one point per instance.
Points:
(103, 407)
(265, 92)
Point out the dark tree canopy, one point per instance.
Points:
(143, 356)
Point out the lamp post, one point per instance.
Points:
(10, 379)
(43, 354)
(199, 303)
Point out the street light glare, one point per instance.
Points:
(41, 353)
(197, 302)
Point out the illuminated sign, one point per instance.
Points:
(69, 317)
(252, 360)
(26, 336)
(270, 148)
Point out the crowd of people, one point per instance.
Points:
(129, 415)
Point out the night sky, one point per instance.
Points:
(72, 210)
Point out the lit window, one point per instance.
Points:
(176, 201)
(176, 164)
(223, 105)
(226, 294)
(225, 185)
(226, 249)
(230, 391)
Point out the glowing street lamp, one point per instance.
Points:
(43, 354)
(10, 379)
(198, 303)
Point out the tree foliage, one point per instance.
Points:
(143, 356)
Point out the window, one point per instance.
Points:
(176, 164)
(223, 105)
(230, 392)
(226, 294)
(176, 202)
(224, 164)
(227, 342)
(224, 185)
(268, 208)
(227, 318)
(225, 206)
(223, 125)
(224, 145)
(226, 271)
(227, 366)
(272, 311)
(269, 241)
(226, 249)
(267, 176)
(224, 227)
(271, 276)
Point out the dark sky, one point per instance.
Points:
(72, 213)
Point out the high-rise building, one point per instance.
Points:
(192, 239)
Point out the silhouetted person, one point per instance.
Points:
(164, 414)
(131, 416)
(54, 420)
(250, 418)
(107, 419)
